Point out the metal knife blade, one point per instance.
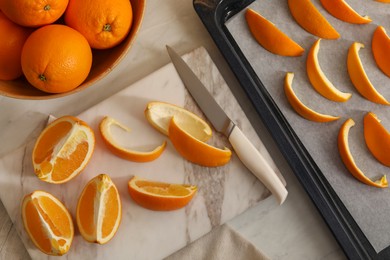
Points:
(244, 149)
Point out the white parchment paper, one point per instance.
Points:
(369, 206)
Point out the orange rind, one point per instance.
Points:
(344, 12)
(381, 49)
(301, 108)
(270, 37)
(348, 160)
(119, 150)
(310, 19)
(319, 80)
(377, 138)
(359, 77)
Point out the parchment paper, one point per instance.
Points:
(369, 206)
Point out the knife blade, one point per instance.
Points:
(245, 150)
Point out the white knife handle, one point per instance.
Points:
(255, 162)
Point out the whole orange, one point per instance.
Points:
(12, 38)
(33, 13)
(56, 58)
(104, 23)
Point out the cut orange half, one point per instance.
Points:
(159, 115)
(160, 196)
(118, 149)
(381, 49)
(348, 160)
(318, 79)
(344, 12)
(310, 19)
(301, 108)
(377, 138)
(359, 77)
(99, 210)
(270, 37)
(47, 222)
(63, 149)
(195, 150)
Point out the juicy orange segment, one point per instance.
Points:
(160, 196)
(270, 37)
(318, 79)
(301, 108)
(63, 149)
(348, 160)
(159, 115)
(377, 138)
(99, 210)
(310, 19)
(47, 222)
(195, 150)
(359, 77)
(125, 153)
(344, 12)
(381, 49)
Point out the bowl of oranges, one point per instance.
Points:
(54, 48)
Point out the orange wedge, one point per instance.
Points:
(381, 49)
(159, 115)
(270, 37)
(377, 138)
(195, 150)
(310, 19)
(159, 195)
(48, 223)
(99, 210)
(299, 107)
(63, 149)
(359, 77)
(344, 12)
(117, 149)
(348, 160)
(318, 79)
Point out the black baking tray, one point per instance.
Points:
(214, 14)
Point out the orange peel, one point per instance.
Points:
(119, 150)
(381, 49)
(310, 19)
(301, 108)
(344, 12)
(377, 138)
(359, 77)
(270, 37)
(319, 80)
(348, 160)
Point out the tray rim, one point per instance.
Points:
(214, 14)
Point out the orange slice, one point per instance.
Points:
(318, 79)
(377, 138)
(125, 153)
(344, 12)
(99, 210)
(348, 160)
(159, 195)
(195, 150)
(381, 49)
(159, 115)
(270, 37)
(48, 223)
(63, 149)
(359, 77)
(301, 108)
(310, 19)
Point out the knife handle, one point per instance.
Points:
(256, 163)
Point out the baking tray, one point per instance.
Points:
(214, 14)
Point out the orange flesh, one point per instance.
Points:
(87, 202)
(343, 11)
(112, 210)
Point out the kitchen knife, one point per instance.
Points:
(244, 149)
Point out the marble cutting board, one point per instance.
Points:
(223, 192)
